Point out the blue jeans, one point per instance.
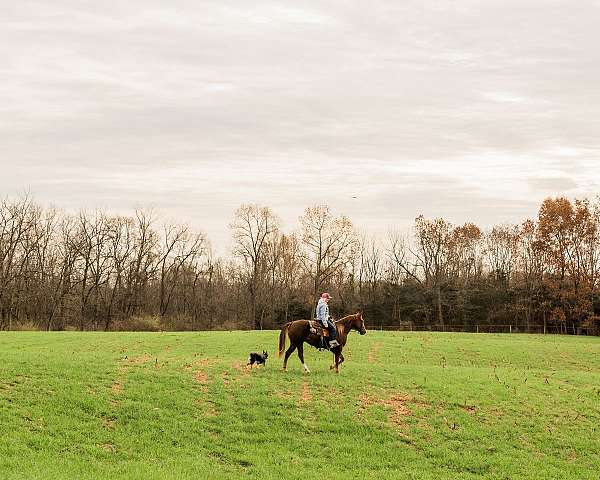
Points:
(332, 330)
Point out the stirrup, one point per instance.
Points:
(333, 344)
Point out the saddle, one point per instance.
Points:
(317, 328)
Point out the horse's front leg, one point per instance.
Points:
(336, 361)
(301, 357)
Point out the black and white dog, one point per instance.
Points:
(258, 358)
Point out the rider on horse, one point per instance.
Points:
(322, 315)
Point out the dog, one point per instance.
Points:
(258, 358)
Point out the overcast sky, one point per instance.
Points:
(470, 110)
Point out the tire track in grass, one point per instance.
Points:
(305, 394)
(125, 365)
(117, 386)
(198, 368)
(374, 351)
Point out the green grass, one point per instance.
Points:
(405, 405)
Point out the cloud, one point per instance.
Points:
(460, 109)
(552, 185)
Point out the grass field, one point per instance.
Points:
(405, 405)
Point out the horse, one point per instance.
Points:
(299, 332)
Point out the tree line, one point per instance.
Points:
(97, 271)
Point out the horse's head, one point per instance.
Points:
(358, 323)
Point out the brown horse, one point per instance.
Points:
(299, 332)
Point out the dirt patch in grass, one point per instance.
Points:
(240, 367)
(140, 359)
(108, 447)
(108, 423)
(116, 388)
(374, 351)
(285, 394)
(207, 407)
(201, 377)
(396, 403)
(332, 395)
(472, 409)
(210, 410)
(205, 362)
(244, 370)
(201, 362)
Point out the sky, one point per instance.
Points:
(383, 110)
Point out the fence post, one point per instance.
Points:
(510, 329)
(477, 328)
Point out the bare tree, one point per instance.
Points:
(501, 250)
(179, 248)
(252, 228)
(17, 244)
(144, 262)
(330, 244)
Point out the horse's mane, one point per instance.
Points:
(345, 319)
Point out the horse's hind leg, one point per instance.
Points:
(288, 352)
(301, 357)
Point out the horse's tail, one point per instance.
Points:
(282, 336)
